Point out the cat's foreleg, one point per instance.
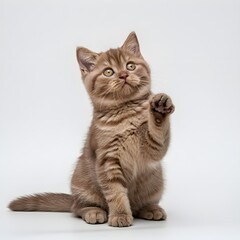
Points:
(160, 108)
(157, 139)
(114, 188)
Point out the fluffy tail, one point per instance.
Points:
(46, 202)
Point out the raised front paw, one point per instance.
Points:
(162, 103)
(120, 220)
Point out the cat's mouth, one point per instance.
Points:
(130, 82)
(128, 88)
(126, 84)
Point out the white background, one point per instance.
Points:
(194, 52)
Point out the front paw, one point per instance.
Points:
(162, 103)
(120, 220)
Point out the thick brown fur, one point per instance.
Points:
(119, 174)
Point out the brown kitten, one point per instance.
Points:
(119, 174)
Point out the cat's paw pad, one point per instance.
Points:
(162, 103)
(95, 216)
(155, 213)
(120, 220)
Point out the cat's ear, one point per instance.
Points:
(131, 44)
(86, 59)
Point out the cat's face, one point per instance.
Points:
(117, 75)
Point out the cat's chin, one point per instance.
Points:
(122, 97)
(127, 91)
(127, 88)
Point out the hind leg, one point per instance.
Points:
(90, 206)
(91, 215)
(91, 212)
(152, 212)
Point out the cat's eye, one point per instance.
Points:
(131, 66)
(108, 72)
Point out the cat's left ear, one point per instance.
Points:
(131, 44)
(86, 59)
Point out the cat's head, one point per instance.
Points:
(117, 75)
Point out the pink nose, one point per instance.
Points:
(123, 76)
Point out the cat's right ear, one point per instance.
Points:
(131, 44)
(86, 60)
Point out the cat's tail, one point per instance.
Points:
(46, 202)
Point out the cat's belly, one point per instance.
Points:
(146, 187)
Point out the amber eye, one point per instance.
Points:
(108, 72)
(131, 66)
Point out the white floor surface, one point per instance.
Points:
(59, 226)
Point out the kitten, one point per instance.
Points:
(119, 174)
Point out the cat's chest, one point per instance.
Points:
(120, 136)
(122, 124)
